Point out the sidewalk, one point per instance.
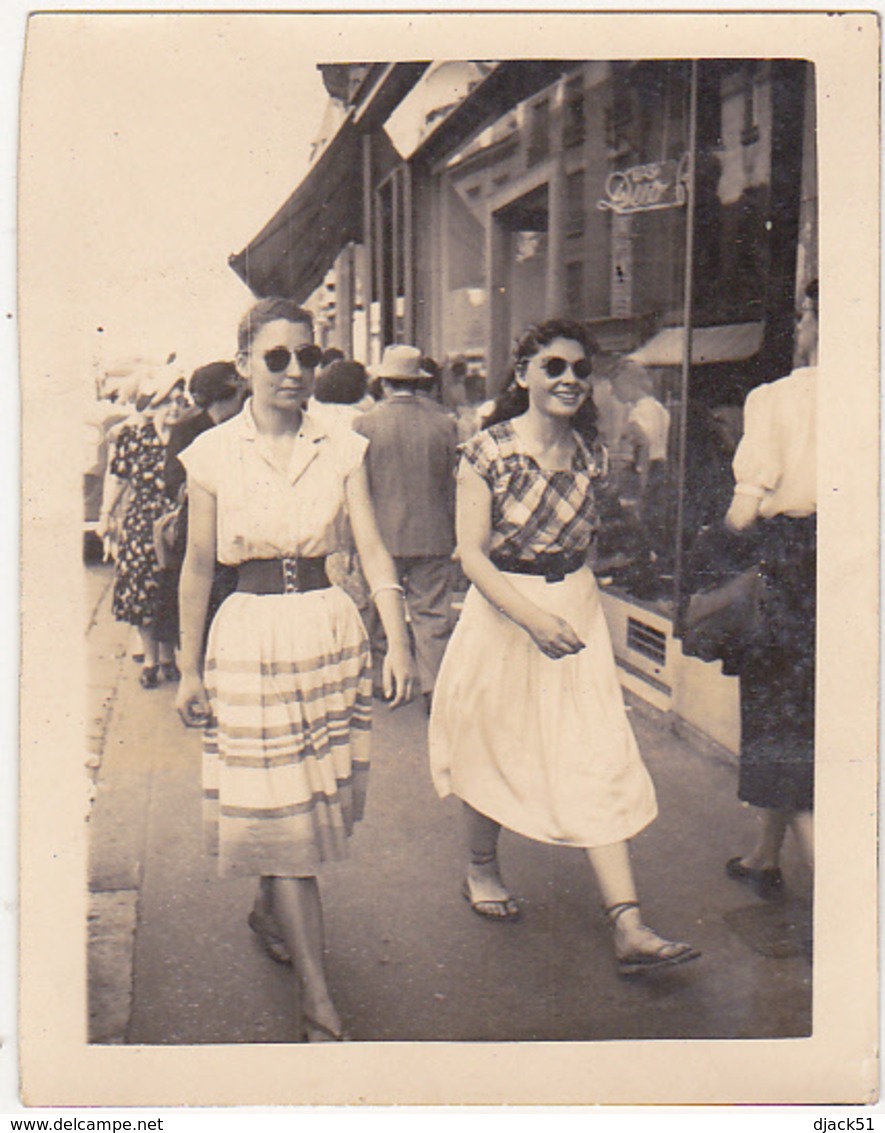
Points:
(173, 962)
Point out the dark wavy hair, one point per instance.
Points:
(514, 400)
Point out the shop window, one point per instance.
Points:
(391, 282)
(539, 131)
(464, 283)
(750, 131)
(573, 126)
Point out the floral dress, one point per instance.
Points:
(138, 459)
(542, 746)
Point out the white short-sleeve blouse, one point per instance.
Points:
(263, 510)
(776, 460)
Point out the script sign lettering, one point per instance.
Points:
(645, 188)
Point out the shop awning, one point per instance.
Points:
(734, 342)
(508, 84)
(292, 253)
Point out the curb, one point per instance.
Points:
(112, 912)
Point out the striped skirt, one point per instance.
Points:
(285, 761)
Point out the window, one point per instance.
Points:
(574, 203)
(539, 136)
(391, 283)
(573, 126)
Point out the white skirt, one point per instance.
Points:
(544, 747)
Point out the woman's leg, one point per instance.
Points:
(149, 674)
(148, 645)
(632, 938)
(484, 888)
(802, 825)
(766, 853)
(265, 925)
(299, 912)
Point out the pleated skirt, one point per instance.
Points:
(544, 747)
(286, 758)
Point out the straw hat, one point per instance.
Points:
(401, 364)
(154, 386)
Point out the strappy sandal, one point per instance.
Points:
(668, 954)
(269, 937)
(328, 1035)
(492, 909)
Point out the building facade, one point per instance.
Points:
(670, 204)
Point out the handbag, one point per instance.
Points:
(725, 621)
(167, 533)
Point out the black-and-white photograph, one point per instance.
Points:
(449, 549)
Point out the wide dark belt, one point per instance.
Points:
(553, 567)
(282, 576)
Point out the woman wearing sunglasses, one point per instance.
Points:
(285, 690)
(528, 725)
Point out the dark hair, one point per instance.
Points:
(268, 311)
(811, 292)
(341, 383)
(216, 381)
(331, 354)
(432, 367)
(514, 400)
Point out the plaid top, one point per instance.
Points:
(535, 511)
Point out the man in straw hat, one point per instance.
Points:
(411, 464)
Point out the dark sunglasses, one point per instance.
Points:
(278, 359)
(555, 367)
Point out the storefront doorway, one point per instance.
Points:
(520, 270)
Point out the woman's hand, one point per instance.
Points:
(742, 513)
(398, 676)
(192, 702)
(553, 636)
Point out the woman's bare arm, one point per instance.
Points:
(553, 635)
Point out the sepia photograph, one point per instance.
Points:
(421, 478)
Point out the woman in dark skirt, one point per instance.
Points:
(776, 497)
(218, 393)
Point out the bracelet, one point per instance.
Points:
(388, 586)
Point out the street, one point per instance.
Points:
(172, 960)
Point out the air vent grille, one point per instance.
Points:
(645, 639)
